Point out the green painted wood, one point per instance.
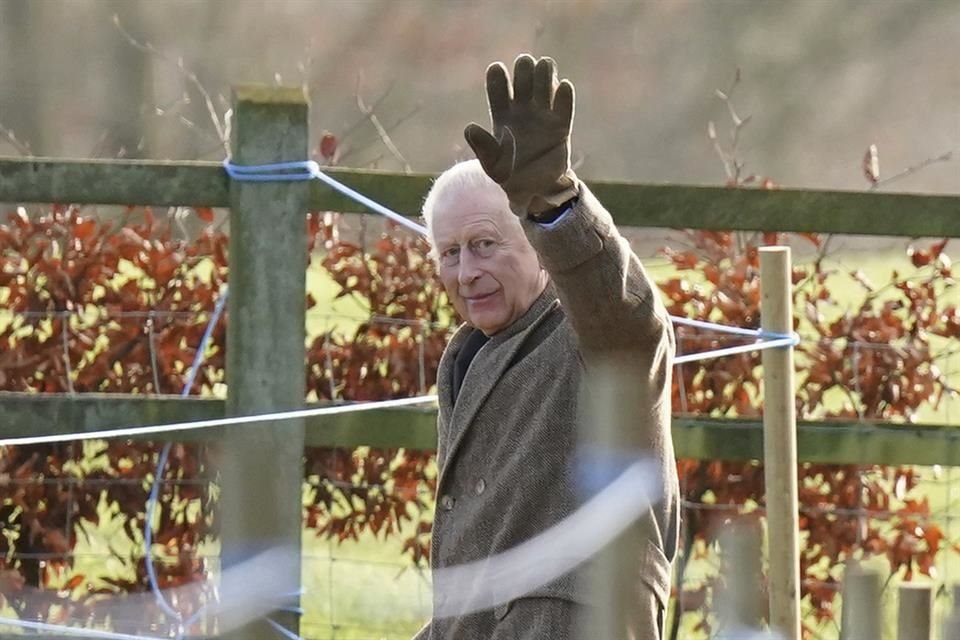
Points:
(415, 428)
(133, 182)
(641, 205)
(30, 414)
(26, 414)
(821, 442)
(801, 210)
(404, 427)
(262, 464)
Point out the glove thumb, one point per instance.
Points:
(490, 152)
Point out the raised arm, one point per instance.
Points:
(604, 288)
(624, 334)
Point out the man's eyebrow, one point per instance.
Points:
(485, 226)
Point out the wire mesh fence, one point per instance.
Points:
(370, 587)
(351, 584)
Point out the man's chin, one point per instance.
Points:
(489, 323)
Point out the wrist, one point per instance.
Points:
(551, 215)
(555, 200)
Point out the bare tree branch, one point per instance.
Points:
(381, 131)
(191, 77)
(354, 126)
(23, 148)
(100, 145)
(943, 157)
(732, 166)
(392, 127)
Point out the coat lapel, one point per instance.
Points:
(483, 374)
(445, 376)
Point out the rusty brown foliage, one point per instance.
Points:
(102, 307)
(394, 354)
(121, 307)
(873, 359)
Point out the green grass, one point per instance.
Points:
(331, 313)
(362, 589)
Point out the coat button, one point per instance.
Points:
(480, 487)
(447, 502)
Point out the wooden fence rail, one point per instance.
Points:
(826, 442)
(641, 205)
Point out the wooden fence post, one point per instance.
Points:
(860, 619)
(914, 611)
(739, 604)
(262, 472)
(780, 444)
(951, 626)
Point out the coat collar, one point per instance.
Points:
(497, 355)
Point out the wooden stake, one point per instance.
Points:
(780, 444)
(861, 605)
(951, 626)
(739, 605)
(914, 611)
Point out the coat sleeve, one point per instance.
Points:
(626, 344)
(624, 335)
(603, 286)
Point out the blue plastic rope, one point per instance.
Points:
(723, 328)
(154, 498)
(309, 170)
(275, 172)
(767, 343)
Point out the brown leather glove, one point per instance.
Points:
(528, 153)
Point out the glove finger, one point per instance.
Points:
(563, 102)
(498, 93)
(523, 69)
(544, 82)
(486, 148)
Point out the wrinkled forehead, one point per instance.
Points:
(470, 211)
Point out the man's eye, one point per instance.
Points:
(452, 252)
(483, 247)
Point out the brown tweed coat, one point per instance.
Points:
(506, 446)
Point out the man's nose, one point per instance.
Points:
(469, 268)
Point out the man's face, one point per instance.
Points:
(487, 266)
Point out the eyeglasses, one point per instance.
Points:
(481, 248)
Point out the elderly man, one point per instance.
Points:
(554, 300)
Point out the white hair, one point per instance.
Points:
(461, 178)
